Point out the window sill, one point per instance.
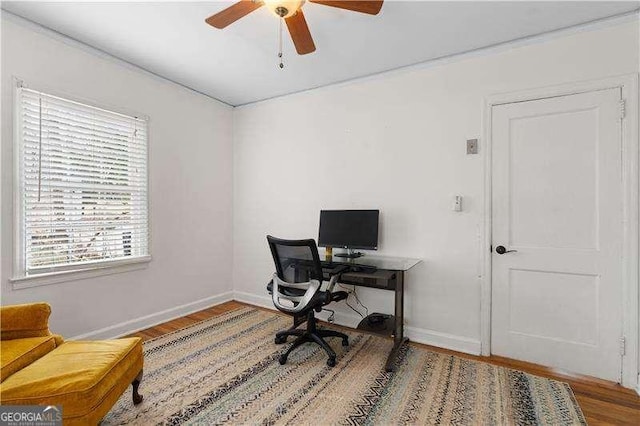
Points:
(80, 274)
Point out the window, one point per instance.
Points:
(82, 186)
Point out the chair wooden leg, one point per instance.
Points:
(137, 398)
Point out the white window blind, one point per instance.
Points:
(83, 184)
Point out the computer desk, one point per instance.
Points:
(389, 275)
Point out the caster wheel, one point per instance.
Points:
(345, 342)
(282, 360)
(280, 340)
(331, 362)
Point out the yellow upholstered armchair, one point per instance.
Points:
(84, 377)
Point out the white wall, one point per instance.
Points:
(396, 142)
(190, 150)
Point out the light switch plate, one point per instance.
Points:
(472, 146)
(457, 203)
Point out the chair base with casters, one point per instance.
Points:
(312, 334)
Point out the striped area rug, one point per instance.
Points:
(225, 370)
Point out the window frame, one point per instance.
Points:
(20, 277)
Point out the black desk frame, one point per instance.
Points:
(385, 279)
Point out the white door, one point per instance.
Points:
(557, 202)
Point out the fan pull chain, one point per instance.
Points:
(281, 65)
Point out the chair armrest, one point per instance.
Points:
(339, 270)
(22, 321)
(285, 290)
(333, 281)
(334, 276)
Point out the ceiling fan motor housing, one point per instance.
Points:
(284, 8)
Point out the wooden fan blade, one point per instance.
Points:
(233, 13)
(300, 34)
(363, 6)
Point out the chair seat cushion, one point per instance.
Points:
(287, 291)
(18, 353)
(78, 375)
(319, 297)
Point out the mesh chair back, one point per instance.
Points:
(296, 261)
(298, 273)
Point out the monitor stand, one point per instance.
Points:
(350, 254)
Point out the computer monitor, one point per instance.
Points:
(350, 229)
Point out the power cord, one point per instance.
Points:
(355, 294)
(332, 317)
(353, 291)
(353, 309)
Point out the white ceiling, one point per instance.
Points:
(238, 65)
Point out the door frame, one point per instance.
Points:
(630, 286)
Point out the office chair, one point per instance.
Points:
(295, 290)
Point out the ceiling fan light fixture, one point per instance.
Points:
(284, 8)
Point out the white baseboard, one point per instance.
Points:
(137, 324)
(443, 340)
(418, 335)
(264, 301)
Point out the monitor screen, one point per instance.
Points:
(357, 229)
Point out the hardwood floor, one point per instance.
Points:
(186, 321)
(602, 402)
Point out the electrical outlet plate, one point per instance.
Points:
(472, 146)
(457, 203)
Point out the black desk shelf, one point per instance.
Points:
(381, 278)
(384, 328)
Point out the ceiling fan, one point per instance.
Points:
(291, 12)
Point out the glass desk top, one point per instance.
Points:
(380, 262)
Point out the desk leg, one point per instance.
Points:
(398, 335)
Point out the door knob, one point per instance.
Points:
(502, 250)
